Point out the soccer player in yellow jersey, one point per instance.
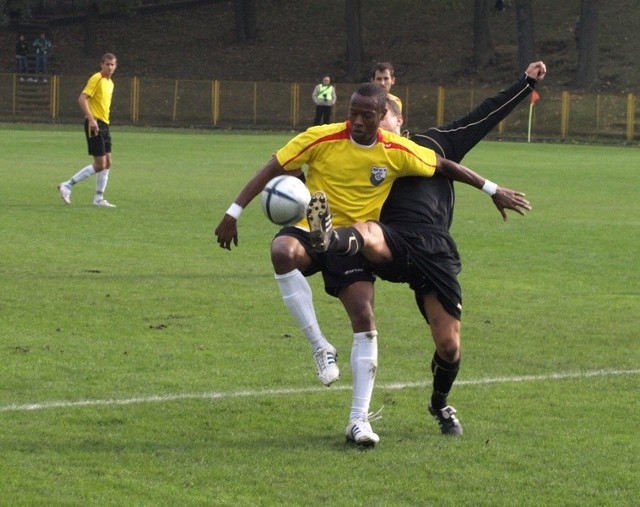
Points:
(384, 74)
(356, 177)
(95, 104)
(355, 163)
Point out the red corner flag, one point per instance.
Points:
(535, 97)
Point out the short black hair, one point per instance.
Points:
(377, 92)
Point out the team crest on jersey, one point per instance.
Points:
(378, 174)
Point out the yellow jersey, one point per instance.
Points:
(99, 89)
(356, 179)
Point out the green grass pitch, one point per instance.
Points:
(144, 365)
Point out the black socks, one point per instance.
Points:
(444, 374)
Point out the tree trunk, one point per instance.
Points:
(245, 17)
(354, 41)
(241, 32)
(250, 23)
(526, 40)
(587, 38)
(483, 52)
(91, 29)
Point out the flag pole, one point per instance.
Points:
(534, 98)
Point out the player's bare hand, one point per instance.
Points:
(227, 232)
(505, 199)
(94, 130)
(537, 71)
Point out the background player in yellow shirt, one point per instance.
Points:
(355, 163)
(384, 74)
(95, 104)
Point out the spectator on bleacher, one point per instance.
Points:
(22, 50)
(43, 48)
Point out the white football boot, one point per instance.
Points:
(65, 193)
(103, 203)
(326, 364)
(360, 432)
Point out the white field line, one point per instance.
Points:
(45, 405)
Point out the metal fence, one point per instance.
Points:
(557, 115)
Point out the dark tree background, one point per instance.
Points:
(485, 53)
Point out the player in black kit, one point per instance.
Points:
(412, 243)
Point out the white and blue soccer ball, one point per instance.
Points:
(285, 200)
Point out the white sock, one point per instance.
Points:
(81, 175)
(297, 297)
(364, 363)
(102, 179)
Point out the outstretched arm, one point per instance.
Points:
(503, 198)
(455, 139)
(227, 230)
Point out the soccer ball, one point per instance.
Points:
(285, 200)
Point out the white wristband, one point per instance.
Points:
(489, 187)
(235, 210)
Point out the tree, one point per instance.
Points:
(587, 40)
(483, 52)
(91, 29)
(354, 40)
(524, 27)
(11, 10)
(245, 16)
(93, 9)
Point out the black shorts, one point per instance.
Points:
(338, 271)
(98, 145)
(427, 259)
